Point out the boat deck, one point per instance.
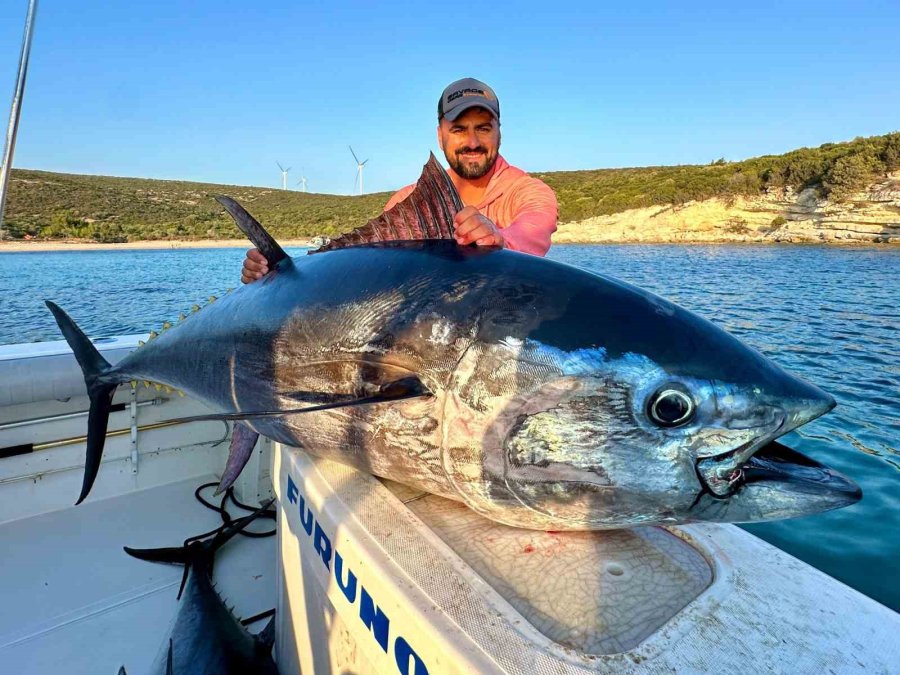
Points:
(74, 602)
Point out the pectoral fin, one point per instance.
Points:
(243, 440)
(398, 390)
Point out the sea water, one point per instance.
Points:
(827, 314)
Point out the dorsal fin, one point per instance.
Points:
(255, 232)
(427, 213)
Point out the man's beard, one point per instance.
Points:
(471, 169)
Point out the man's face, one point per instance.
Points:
(471, 142)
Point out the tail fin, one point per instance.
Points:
(198, 553)
(101, 384)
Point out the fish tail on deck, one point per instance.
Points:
(200, 553)
(101, 379)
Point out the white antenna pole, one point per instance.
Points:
(16, 109)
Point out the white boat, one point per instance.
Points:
(369, 576)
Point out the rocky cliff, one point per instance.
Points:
(867, 217)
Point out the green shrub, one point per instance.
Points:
(737, 226)
(850, 174)
(52, 205)
(891, 153)
(105, 233)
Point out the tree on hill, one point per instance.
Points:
(850, 174)
(891, 154)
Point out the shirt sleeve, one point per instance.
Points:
(399, 196)
(534, 219)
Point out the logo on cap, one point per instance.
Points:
(464, 94)
(468, 92)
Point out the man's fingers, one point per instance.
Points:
(475, 227)
(464, 239)
(254, 255)
(481, 229)
(468, 226)
(255, 266)
(464, 214)
(256, 261)
(471, 226)
(247, 277)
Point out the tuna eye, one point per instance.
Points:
(671, 407)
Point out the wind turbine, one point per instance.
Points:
(359, 169)
(284, 173)
(302, 183)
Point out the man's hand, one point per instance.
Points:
(255, 266)
(471, 226)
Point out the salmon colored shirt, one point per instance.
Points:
(523, 207)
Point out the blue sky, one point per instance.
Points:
(219, 91)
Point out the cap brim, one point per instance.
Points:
(452, 115)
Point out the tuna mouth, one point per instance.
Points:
(777, 464)
(777, 482)
(724, 474)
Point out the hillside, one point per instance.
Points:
(55, 205)
(762, 198)
(869, 216)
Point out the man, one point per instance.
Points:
(504, 206)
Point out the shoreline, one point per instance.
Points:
(32, 246)
(20, 246)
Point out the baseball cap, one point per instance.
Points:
(467, 93)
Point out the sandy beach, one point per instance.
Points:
(32, 246)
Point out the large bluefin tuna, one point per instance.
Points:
(539, 394)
